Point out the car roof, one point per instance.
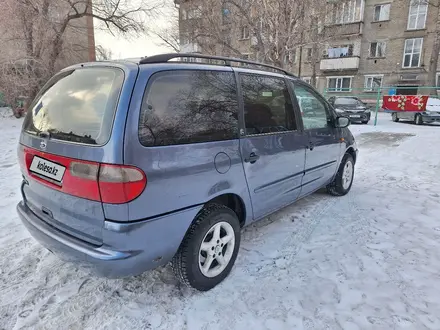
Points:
(169, 61)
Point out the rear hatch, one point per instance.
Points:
(63, 145)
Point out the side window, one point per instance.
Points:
(182, 107)
(313, 110)
(267, 104)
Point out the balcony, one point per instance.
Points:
(340, 63)
(346, 29)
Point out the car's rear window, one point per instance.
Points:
(182, 107)
(77, 106)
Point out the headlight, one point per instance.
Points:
(339, 110)
(368, 111)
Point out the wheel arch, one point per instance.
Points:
(234, 202)
(350, 150)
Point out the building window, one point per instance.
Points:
(412, 52)
(377, 49)
(290, 57)
(308, 80)
(195, 12)
(418, 10)
(382, 12)
(184, 40)
(373, 83)
(348, 11)
(293, 56)
(226, 15)
(309, 53)
(244, 32)
(339, 84)
(184, 14)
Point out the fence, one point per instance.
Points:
(375, 96)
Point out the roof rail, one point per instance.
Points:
(164, 58)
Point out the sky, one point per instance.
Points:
(136, 47)
(129, 47)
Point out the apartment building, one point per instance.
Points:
(78, 43)
(365, 44)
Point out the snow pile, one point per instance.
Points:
(369, 260)
(6, 112)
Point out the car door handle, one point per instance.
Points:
(253, 157)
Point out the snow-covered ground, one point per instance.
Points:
(370, 260)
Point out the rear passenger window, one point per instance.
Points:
(267, 104)
(182, 107)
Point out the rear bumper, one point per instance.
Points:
(129, 248)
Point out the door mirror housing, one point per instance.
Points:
(342, 122)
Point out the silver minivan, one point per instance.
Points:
(130, 165)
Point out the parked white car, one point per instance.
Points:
(431, 115)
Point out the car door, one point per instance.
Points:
(271, 144)
(324, 147)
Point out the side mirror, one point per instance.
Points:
(342, 122)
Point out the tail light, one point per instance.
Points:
(113, 184)
(120, 184)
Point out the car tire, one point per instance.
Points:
(188, 263)
(394, 117)
(418, 120)
(343, 181)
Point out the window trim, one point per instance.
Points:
(381, 5)
(242, 121)
(366, 89)
(339, 11)
(147, 89)
(331, 115)
(242, 35)
(412, 54)
(437, 77)
(307, 58)
(417, 16)
(341, 89)
(384, 51)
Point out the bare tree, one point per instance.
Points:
(271, 30)
(102, 53)
(44, 34)
(169, 35)
(268, 27)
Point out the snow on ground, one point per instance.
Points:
(369, 260)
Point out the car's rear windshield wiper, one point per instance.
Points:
(68, 136)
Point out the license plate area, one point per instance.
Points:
(47, 170)
(355, 116)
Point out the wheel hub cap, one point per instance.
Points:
(347, 175)
(216, 249)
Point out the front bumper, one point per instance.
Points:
(363, 116)
(129, 248)
(430, 118)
